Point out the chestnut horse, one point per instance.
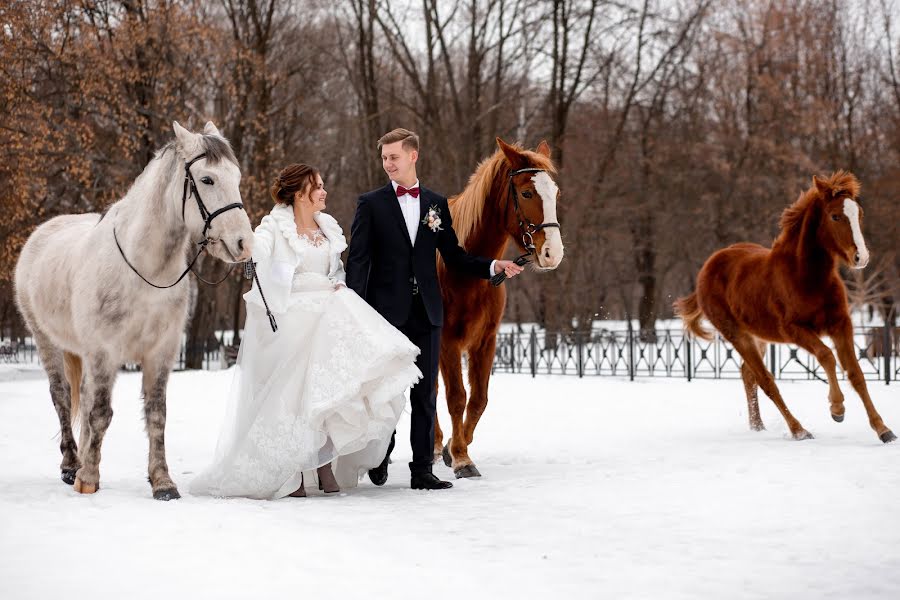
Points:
(791, 293)
(510, 196)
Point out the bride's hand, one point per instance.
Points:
(338, 285)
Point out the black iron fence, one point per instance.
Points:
(216, 354)
(670, 353)
(614, 352)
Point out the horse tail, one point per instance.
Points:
(690, 312)
(72, 368)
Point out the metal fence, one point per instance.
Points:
(670, 353)
(215, 355)
(615, 352)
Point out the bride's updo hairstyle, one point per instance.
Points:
(292, 179)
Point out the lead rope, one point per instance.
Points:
(250, 273)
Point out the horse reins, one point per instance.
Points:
(190, 190)
(527, 228)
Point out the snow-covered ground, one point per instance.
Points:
(592, 488)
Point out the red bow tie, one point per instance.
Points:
(401, 191)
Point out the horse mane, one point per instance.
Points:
(157, 175)
(215, 147)
(839, 183)
(468, 205)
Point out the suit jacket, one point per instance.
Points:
(383, 263)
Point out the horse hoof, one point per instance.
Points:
(68, 476)
(837, 418)
(803, 435)
(448, 460)
(467, 472)
(166, 495)
(888, 436)
(85, 488)
(758, 427)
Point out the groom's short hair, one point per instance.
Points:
(410, 139)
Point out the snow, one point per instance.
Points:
(594, 487)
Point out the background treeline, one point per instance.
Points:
(679, 126)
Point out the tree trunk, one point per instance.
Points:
(203, 324)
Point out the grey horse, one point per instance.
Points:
(94, 290)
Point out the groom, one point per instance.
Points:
(392, 266)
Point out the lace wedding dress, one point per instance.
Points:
(328, 386)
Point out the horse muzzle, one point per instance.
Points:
(232, 249)
(549, 257)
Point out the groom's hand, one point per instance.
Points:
(507, 266)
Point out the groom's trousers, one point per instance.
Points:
(423, 395)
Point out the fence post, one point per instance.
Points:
(513, 345)
(533, 347)
(688, 342)
(772, 360)
(630, 351)
(578, 341)
(888, 351)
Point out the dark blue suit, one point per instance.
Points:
(382, 267)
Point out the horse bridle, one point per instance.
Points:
(526, 227)
(189, 190)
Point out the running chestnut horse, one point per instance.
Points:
(791, 293)
(511, 196)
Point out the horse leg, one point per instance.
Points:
(60, 393)
(746, 346)
(451, 369)
(438, 434)
(438, 440)
(156, 377)
(480, 361)
(101, 375)
(751, 387)
(843, 342)
(810, 342)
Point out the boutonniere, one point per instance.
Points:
(433, 219)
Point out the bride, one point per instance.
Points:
(324, 393)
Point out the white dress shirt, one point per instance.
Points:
(410, 208)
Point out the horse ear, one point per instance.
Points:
(184, 136)
(211, 129)
(516, 160)
(544, 148)
(821, 186)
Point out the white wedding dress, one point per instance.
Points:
(328, 386)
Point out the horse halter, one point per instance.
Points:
(527, 228)
(189, 189)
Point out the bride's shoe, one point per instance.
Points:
(327, 482)
(300, 492)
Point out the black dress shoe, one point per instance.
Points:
(379, 474)
(427, 481)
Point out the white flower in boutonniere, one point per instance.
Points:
(433, 219)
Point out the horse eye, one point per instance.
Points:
(835, 217)
(207, 180)
(526, 194)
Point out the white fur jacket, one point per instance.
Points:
(278, 251)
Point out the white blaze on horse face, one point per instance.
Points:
(551, 253)
(851, 209)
